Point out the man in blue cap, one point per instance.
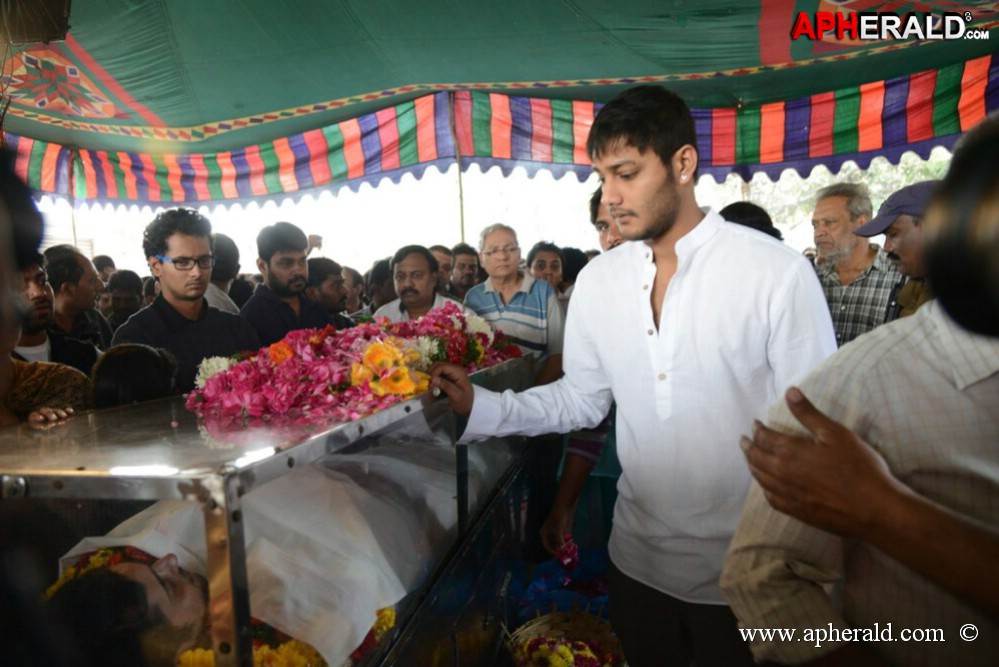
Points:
(900, 219)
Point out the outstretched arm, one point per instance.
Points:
(839, 483)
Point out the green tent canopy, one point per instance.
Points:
(181, 101)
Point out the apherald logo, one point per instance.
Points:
(865, 26)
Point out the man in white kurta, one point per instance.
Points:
(693, 332)
(742, 320)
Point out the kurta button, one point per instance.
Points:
(662, 376)
(645, 287)
(650, 332)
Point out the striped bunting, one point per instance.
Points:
(879, 118)
(914, 112)
(44, 166)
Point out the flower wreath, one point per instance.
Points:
(273, 648)
(94, 560)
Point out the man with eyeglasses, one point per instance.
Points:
(280, 305)
(178, 248)
(514, 302)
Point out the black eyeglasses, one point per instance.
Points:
(187, 263)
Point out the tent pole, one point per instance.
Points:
(461, 203)
(457, 158)
(73, 153)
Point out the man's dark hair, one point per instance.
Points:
(405, 251)
(573, 261)
(123, 279)
(961, 250)
(38, 259)
(441, 248)
(280, 236)
(380, 273)
(131, 373)
(63, 265)
(543, 246)
(750, 215)
(464, 249)
(595, 204)
(148, 286)
(321, 268)
(26, 222)
(355, 275)
(173, 221)
(226, 258)
(645, 117)
(107, 616)
(241, 290)
(102, 262)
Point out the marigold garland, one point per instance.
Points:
(278, 650)
(94, 560)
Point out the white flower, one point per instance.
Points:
(427, 348)
(209, 366)
(478, 325)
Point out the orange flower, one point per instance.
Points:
(396, 382)
(359, 374)
(422, 381)
(280, 352)
(381, 356)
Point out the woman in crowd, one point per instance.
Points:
(544, 261)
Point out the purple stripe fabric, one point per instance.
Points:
(442, 125)
(301, 151)
(62, 171)
(702, 127)
(797, 121)
(242, 168)
(187, 177)
(893, 116)
(992, 88)
(141, 184)
(98, 165)
(371, 144)
(520, 137)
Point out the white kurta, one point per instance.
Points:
(742, 319)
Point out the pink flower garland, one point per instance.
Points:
(324, 374)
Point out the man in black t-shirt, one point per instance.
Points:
(178, 248)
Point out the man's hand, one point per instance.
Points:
(558, 523)
(45, 418)
(833, 480)
(453, 381)
(315, 243)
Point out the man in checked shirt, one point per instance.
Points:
(857, 278)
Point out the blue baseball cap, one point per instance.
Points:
(911, 200)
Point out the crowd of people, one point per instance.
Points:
(870, 466)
